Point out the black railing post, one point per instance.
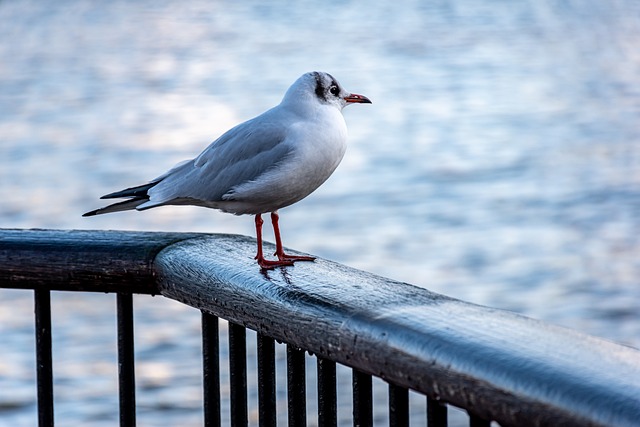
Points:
(211, 369)
(238, 374)
(362, 399)
(266, 381)
(296, 387)
(126, 367)
(44, 369)
(327, 408)
(436, 413)
(475, 421)
(398, 406)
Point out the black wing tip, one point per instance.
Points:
(92, 213)
(139, 191)
(115, 195)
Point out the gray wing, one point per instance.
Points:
(240, 155)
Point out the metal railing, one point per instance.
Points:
(496, 365)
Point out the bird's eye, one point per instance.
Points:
(334, 90)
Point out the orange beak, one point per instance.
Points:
(355, 98)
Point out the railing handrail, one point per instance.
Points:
(496, 364)
(82, 260)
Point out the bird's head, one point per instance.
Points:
(322, 88)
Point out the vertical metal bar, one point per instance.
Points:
(266, 381)
(398, 406)
(44, 368)
(126, 368)
(327, 408)
(436, 413)
(238, 374)
(475, 421)
(296, 387)
(362, 401)
(211, 369)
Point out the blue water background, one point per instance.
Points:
(498, 163)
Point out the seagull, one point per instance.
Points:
(262, 165)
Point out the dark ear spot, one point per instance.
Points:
(319, 88)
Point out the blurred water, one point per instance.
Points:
(498, 163)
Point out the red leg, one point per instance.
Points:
(262, 262)
(279, 250)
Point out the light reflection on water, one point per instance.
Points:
(498, 163)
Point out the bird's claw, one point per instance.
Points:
(266, 264)
(283, 260)
(294, 258)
